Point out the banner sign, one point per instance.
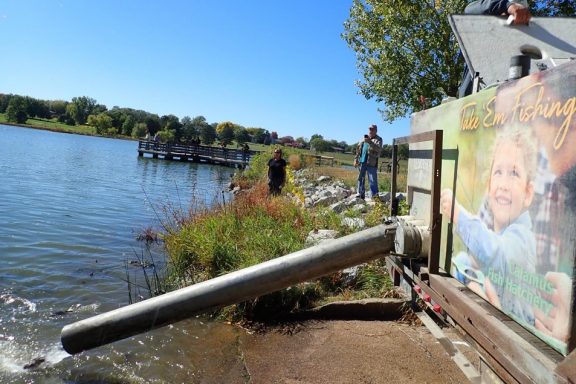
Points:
(508, 197)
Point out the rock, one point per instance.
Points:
(322, 235)
(334, 194)
(34, 363)
(325, 201)
(349, 275)
(338, 207)
(385, 196)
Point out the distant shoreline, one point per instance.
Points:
(60, 130)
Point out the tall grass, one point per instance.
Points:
(253, 228)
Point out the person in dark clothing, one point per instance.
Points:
(245, 151)
(276, 173)
(516, 8)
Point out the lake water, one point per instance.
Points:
(70, 209)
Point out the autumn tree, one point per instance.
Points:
(225, 131)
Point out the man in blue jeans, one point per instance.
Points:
(367, 155)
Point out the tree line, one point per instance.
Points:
(135, 123)
(130, 122)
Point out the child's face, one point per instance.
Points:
(509, 191)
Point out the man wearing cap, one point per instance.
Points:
(367, 155)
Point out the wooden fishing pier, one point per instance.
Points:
(196, 153)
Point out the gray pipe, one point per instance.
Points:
(235, 287)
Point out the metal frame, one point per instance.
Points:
(512, 352)
(435, 217)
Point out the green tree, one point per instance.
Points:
(171, 123)
(167, 135)
(16, 110)
(316, 136)
(36, 108)
(128, 125)
(4, 101)
(102, 122)
(405, 50)
(199, 123)
(242, 136)
(320, 145)
(189, 132)
(302, 141)
(208, 134)
(139, 130)
(118, 117)
(403, 151)
(258, 134)
(152, 124)
(58, 107)
(80, 108)
(386, 151)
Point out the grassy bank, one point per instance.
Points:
(52, 125)
(254, 228)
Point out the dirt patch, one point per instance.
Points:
(350, 351)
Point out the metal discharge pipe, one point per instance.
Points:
(235, 287)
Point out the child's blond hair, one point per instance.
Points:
(524, 139)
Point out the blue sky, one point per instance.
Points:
(277, 65)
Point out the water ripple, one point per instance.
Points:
(69, 215)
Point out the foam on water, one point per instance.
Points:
(20, 304)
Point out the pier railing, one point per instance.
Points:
(196, 152)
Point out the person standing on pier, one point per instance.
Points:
(276, 173)
(245, 151)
